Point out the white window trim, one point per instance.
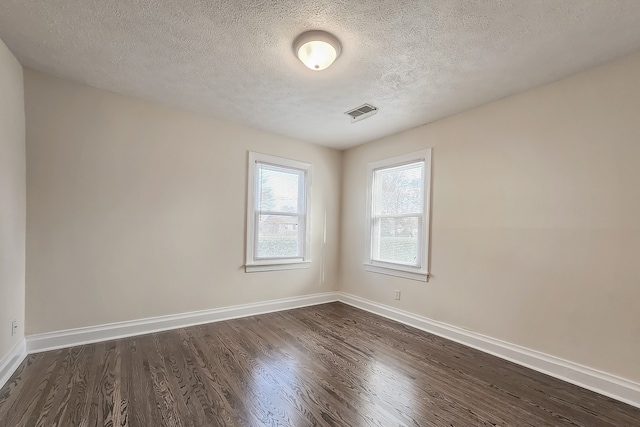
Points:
(420, 273)
(256, 265)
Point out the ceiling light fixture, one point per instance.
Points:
(316, 49)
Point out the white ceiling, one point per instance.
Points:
(417, 61)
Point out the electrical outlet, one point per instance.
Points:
(14, 327)
(397, 294)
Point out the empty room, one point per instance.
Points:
(302, 213)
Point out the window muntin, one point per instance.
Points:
(398, 215)
(398, 207)
(280, 213)
(277, 213)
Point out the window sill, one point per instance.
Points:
(253, 268)
(398, 272)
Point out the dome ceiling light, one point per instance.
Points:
(316, 49)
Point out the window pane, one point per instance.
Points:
(399, 240)
(278, 236)
(278, 189)
(399, 190)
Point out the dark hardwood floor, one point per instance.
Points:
(327, 365)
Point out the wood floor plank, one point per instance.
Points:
(326, 365)
(142, 408)
(33, 407)
(179, 379)
(69, 381)
(22, 378)
(289, 363)
(228, 361)
(212, 391)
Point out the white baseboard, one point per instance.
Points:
(609, 385)
(11, 361)
(91, 334)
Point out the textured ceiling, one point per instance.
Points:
(417, 61)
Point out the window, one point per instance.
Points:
(277, 213)
(398, 216)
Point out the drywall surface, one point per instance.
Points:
(12, 200)
(138, 210)
(535, 220)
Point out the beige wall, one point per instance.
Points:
(137, 210)
(12, 200)
(535, 220)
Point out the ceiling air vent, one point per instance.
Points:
(362, 112)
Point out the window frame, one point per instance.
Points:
(252, 263)
(420, 272)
